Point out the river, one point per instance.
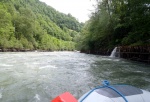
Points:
(41, 76)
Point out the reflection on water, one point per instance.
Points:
(41, 76)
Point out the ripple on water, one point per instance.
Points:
(37, 97)
(39, 77)
(6, 65)
(48, 66)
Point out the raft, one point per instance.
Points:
(108, 93)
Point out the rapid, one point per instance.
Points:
(41, 76)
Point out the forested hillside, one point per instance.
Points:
(31, 24)
(117, 23)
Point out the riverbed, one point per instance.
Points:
(41, 76)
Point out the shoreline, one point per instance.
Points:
(133, 53)
(29, 50)
(23, 50)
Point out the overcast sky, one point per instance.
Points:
(80, 9)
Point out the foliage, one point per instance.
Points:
(31, 24)
(116, 23)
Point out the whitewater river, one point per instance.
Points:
(41, 76)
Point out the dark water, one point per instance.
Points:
(41, 76)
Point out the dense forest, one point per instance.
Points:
(31, 25)
(116, 23)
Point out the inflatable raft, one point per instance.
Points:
(108, 93)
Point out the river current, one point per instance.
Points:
(41, 76)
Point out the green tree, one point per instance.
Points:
(31, 24)
(117, 22)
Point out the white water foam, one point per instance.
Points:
(113, 53)
(6, 65)
(48, 66)
(0, 95)
(36, 63)
(37, 97)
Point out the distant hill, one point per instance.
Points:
(31, 24)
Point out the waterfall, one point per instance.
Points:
(113, 53)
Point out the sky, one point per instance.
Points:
(80, 9)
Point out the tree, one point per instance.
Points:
(117, 22)
(30, 24)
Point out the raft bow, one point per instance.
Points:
(108, 93)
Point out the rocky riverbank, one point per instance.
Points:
(14, 50)
(28, 50)
(22, 50)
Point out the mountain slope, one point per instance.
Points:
(31, 24)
